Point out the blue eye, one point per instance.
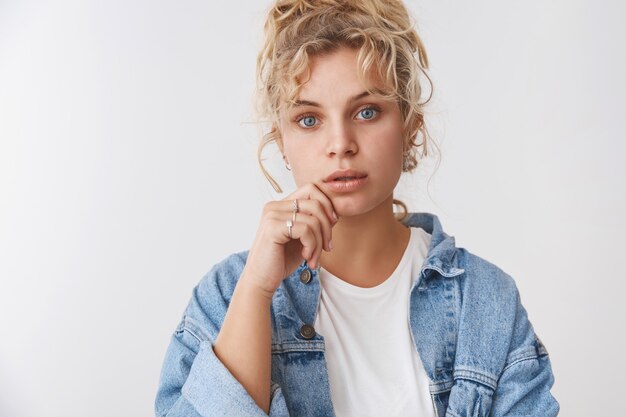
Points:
(368, 113)
(309, 121)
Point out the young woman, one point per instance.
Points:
(340, 307)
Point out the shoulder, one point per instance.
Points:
(210, 298)
(491, 309)
(483, 277)
(220, 281)
(488, 297)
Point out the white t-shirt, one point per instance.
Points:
(374, 368)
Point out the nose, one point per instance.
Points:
(342, 141)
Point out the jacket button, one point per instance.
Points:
(307, 331)
(305, 276)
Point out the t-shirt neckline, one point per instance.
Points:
(338, 283)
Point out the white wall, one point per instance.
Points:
(127, 168)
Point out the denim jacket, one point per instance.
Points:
(473, 335)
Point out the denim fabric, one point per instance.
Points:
(471, 331)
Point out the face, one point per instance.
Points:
(337, 126)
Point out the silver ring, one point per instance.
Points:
(295, 205)
(289, 226)
(293, 217)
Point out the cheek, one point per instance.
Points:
(388, 146)
(302, 166)
(305, 171)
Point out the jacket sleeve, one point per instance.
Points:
(524, 386)
(193, 381)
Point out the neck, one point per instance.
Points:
(367, 247)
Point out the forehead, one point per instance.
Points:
(336, 76)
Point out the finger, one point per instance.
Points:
(313, 226)
(318, 229)
(308, 232)
(316, 209)
(307, 228)
(311, 191)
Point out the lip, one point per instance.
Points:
(345, 173)
(346, 186)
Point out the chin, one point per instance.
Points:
(347, 207)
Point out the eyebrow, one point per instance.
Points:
(299, 103)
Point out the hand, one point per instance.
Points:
(274, 255)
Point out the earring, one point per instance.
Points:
(286, 163)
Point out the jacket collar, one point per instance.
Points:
(441, 256)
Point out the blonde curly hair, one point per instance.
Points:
(387, 43)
